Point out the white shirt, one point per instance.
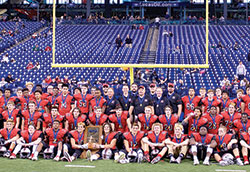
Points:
(241, 70)
(157, 20)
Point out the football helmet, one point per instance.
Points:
(25, 153)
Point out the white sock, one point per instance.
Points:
(59, 153)
(195, 157)
(207, 158)
(17, 149)
(34, 148)
(35, 154)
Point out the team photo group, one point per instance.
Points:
(140, 123)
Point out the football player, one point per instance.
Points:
(243, 124)
(245, 106)
(49, 118)
(238, 101)
(11, 113)
(120, 120)
(147, 119)
(72, 119)
(225, 101)
(41, 104)
(209, 101)
(52, 98)
(245, 143)
(98, 100)
(97, 118)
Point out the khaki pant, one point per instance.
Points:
(177, 151)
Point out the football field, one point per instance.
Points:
(23, 165)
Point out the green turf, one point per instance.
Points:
(20, 165)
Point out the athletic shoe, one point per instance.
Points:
(239, 162)
(196, 162)
(57, 158)
(64, 158)
(31, 156)
(155, 160)
(35, 158)
(178, 160)
(88, 153)
(146, 158)
(68, 157)
(12, 156)
(6, 154)
(206, 162)
(172, 160)
(246, 163)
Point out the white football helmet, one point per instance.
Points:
(25, 153)
(107, 154)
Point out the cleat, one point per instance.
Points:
(206, 162)
(31, 156)
(68, 157)
(146, 158)
(88, 153)
(196, 162)
(155, 160)
(172, 160)
(140, 158)
(12, 156)
(34, 158)
(178, 160)
(239, 162)
(57, 158)
(246, 163)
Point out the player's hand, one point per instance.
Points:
(229, 146)
(97, 146)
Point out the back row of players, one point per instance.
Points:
(136, 125)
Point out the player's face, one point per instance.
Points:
(203, 131)
(65, 90)
(210, 94)
(31, 129)
(84, 90)
(19, 93)
(197, 112)
(10, 106)
(9, 125)
(191, 92)
(177, 131)
(202, 93)
(26, 93)
(244, 118)
(221, 132)
(98, 112)
(56, 125)
(168, 111)
(135, 129)
(148, 111)
(76, 113)
(54, 111)
(134, 88)
(125, 89)
(231, 109)
(80, 128)
(248, 91)
(38, 95)
(159, 92)
(239, 95)
(50, 90)
(110, 92)
(7, 93)
(224, 96)
(56, 91)
(213, 110)
(98, 93)
(119, 111)
(106, 128)
(157, 129)
(218, 92)
(105, 89)
(32, 107)
(77, 91)
(141, 91)
(30, 87)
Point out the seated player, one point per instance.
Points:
(48, 119)
(108, 149)
(147, 120)
(133, 145)
(11, 113)
(245, 143)
(202, 145)
(243, 124)
(120, 120)
(30, 139)
(8, 137)
(177, 144)
(230, 116)
(226, 143)
(214, 120)
(31, 115)
(194, 121)
(74, 148)
(72, 119)
(168, 120)
(154, 143)
(97, 118)
(55, 136)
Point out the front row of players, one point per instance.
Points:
(134, 146)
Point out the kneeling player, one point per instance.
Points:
(226, 143)
(177, 145)
(8, 137)
(202, 143)
(108, 149)
(245, 143)
(29, 141)
(155, 140)
(73, 150)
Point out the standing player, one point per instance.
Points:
(160, 102)
(41, 105)
(245, 106)
(243, 124)
(111, 102)
(72, 119)
(98, 118)
(27, 98)
(147, 119)
(209, 101)
(11, 113)
(97, 101)
(202, 144)
(245, 143)
(168, 120)
(225, 101)
(238, 101)
(5, 99)
(52, 98)
(120, 120)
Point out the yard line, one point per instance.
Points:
(231, 170)
(80, 166)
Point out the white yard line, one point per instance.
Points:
(231, 170)
(80, 166)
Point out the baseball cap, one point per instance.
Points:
(170, 84)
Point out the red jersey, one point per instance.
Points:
(168, 123)
(26, 101)
(11, 115)
(55, 136)
(120, 122)
(4, 101)
(238, 103)
(146, 124)
(64, 103)
(82, 102)
(246, 137)
(240, 126)
(28, 117)
(194, 124)
(246, 100)
(73, 122)
(41, 104)
(107, 140)
(6, 134)
(222, 142)
(157, 139)
(225, 104)
(100, 102)
(52, 100)
(190, 104)
(97, 121)
(207, 103)
(48, 80)
(134, 141)
(48, 120)
(31, 138)
(79, 138)
(179, 140)
(205, 140)
(229, 120)
(213, 122)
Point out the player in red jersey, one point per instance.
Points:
(190, 102)
(108, 149)
(194, 121)
(55, 137)
(98, 118)
(29, 141)
(41, 105)
(202, 145)
(168, 120)
(21, 101)
(243, 124)
(54, 96)
(27, 98)
(11, 113)
(120, 121)
(177, 144)
(147, 120)
(31, 115)
(65, 101)
(155, 142)
(230, 116)
(209, 101)
(245, 143)
(245, 106)
(133, 144)
(83, 99)
(225, 101)
(214, 120)
(202, 92)
(226, 143)
(72, 119)
(98, 100)
(218, 93)
(4, 99)
(48, 119)
(74, 148)
(8, 137)
(238, 101)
